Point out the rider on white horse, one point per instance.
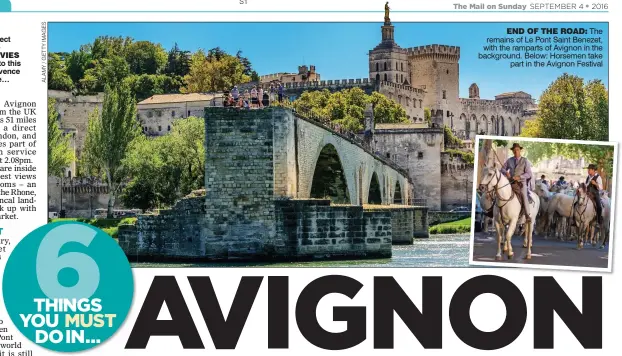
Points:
(518, 170)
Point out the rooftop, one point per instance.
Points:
(178, 98)
(510, 94)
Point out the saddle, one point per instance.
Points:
(517, 189)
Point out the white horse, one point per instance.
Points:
(560, 206)
(507, 207)
(542, 191)
(584, 216)
(604, 232)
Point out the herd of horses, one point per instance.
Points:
(562, 213)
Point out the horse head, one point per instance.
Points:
(582, 191)
(490, 178)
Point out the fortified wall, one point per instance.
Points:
(250, 210)
(418, 150)
(456, 182)
(74, 112)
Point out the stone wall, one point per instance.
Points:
(174, 234)
(74, 112)
(411, 99)
(402, 227)
(78, 201)
(456, 182)
(239, 180)
(157, 119)
(294, 90)
(419, 152)
(314, 229)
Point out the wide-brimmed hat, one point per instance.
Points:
(516, 144)
(592, 166)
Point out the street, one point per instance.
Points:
(543, 252)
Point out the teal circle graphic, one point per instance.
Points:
(68, 286)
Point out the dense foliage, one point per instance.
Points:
(601, 155)
(146, 68)
(165, 168)
(572, 109)
(60, 154)
(347, 108)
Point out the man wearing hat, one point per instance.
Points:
(594, 186)
(518, 171)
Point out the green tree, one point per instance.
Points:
(108, 46)
(571, 109)
(346, 108)
(154, 181)
(58, 79)
(166, 167)
(146, 85)
(427, 115)
(105, 72)
(213, 72)
(60, 154)
(598, 154)
(109, 136)
(187, 151)
(178, 63)
(144, 57)
(77, 64)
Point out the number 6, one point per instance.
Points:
(50, 263)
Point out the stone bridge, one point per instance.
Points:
(298, 143)
(259, 174)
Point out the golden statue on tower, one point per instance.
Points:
(386, 13)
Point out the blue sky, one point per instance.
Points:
(339, 50)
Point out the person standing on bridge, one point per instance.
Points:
(272, 94)
(518, 171)
(281, 92)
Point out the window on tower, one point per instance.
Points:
(385, 65)
(377, 66)
(444, 94)
(402, 67)
(396, 78)
(385, 77)
(395, 65)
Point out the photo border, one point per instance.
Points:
(500, 264)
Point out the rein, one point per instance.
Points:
(494, 193)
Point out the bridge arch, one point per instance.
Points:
(329, 179)
(374, 195)
(398, 197)
(357, 164)
(348, 171)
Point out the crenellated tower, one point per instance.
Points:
(435, 68)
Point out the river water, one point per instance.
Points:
(436, 251)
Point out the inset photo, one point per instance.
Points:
(543, 203)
